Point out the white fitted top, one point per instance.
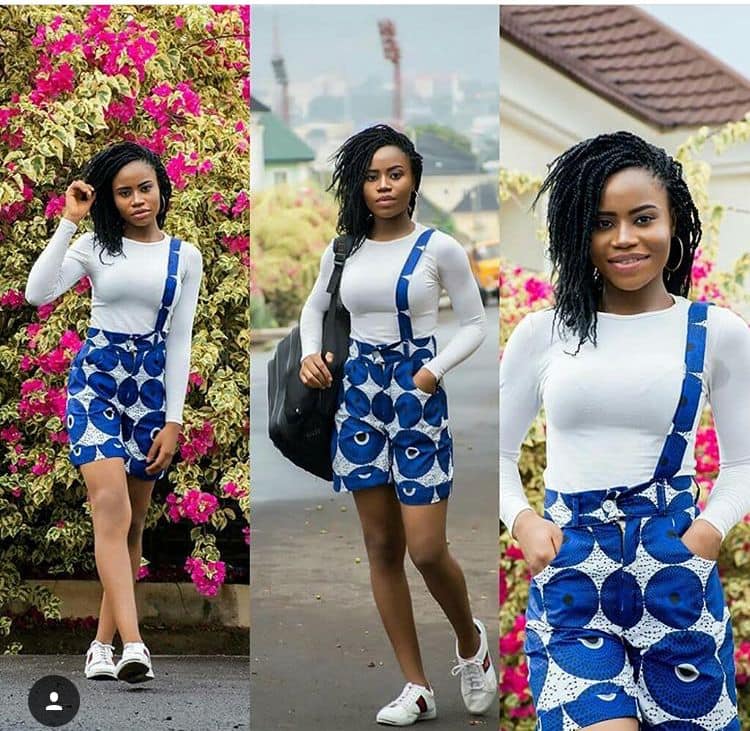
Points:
(609, 409)
(368, 291)
(126, 293)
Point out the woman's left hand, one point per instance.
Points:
(425, 380)
(163, 449)
(703, 540)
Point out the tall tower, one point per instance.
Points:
(392, 53)
(279, 72)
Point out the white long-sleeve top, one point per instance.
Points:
(126, 293)
(368, 291)
(609, 409)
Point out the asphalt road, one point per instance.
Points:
(189, 693)
(319, 655)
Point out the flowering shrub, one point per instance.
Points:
(522, 292)
(290, 230)
(174, 78)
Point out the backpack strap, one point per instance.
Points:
(342, 245)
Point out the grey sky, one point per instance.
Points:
(440, 39)
(317, 39)
(720, 29)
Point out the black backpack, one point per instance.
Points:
(301, 419)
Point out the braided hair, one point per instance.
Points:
(99, 172)
(575, 181)
(351, 163)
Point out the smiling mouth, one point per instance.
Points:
(628, 259)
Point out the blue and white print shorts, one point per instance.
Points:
(626, 621)
(387, 431)
(116, 399)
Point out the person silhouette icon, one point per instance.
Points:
(53, 704)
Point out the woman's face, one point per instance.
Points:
(136, 194)
(388, 183)
(632, 232)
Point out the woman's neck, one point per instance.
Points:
(386, 229)
(650, 298)
(144, 234)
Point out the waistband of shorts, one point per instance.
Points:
(656, 497)
(139, 340)
(423, 347)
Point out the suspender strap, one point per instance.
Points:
(170, 285)
(402, 286)
(673, 452)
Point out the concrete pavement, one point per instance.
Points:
(189, 693)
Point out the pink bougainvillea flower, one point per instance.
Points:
(55, 206)
(194, 505)
(12, 299)
(45, 311)
(208, 576)
(246, 533)
(241, 203)
(198, 442)
(195, 379)
(41, 466)
(143, 573)
(10, 434)
(70, 340)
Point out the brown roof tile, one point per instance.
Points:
(628, 57)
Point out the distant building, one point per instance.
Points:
(449, 171)
(569, 72)
(477, 214)
(277, 155)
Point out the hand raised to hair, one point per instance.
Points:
(79, 197)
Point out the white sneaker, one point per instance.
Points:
(478, 679)
(99, 662)
(416, 703)
(135, 664)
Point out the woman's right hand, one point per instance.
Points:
(79, 197)
(540, 539)
(314, 371)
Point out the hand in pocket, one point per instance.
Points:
(540, 540)
(425, 380)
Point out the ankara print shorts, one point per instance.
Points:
(387, 431)
(116, 399)
(626, 621)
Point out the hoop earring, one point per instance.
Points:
(682, 254)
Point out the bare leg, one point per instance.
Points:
(383, 533)
(140, 498)
(614, 724)
(428, 548)
(111, 514)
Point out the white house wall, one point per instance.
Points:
(543, 112)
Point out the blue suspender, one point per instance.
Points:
(170, 285)
(402, 286)
(670, 460)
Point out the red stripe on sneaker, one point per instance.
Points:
(422, 703)
(486, 663)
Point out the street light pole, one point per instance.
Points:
(392, 53)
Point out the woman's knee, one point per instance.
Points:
(110, 506)
(428, 556)
(384, 549)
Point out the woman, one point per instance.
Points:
(392, 448)
(626, 621)
(126, 387)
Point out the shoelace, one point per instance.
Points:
(409, 694)
(472, 670)
(101, 653)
